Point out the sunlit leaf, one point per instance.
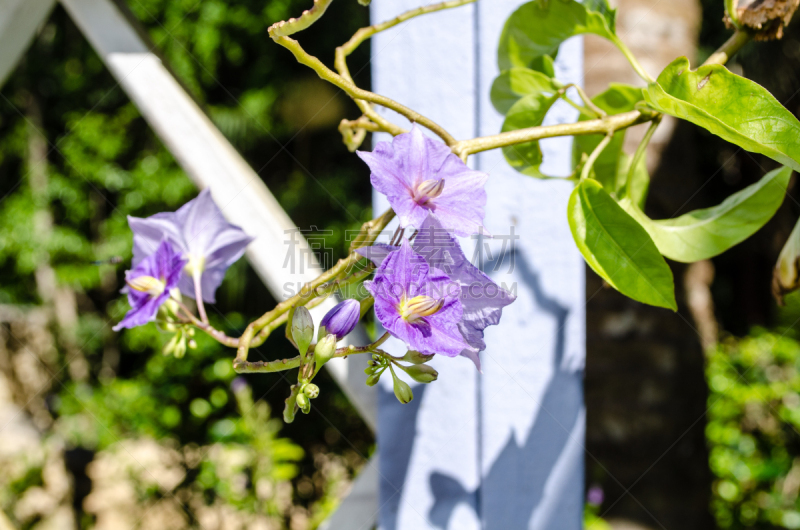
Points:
(539, 27)
(705, 233)
(617, 247)
(732, 107)
(527, 112)
(516, 83)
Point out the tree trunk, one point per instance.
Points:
(645, 388)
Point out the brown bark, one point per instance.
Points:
(645, 387)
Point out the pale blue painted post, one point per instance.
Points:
(502, 449)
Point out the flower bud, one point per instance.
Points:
(416, 357)
(786, 276)
(421, 373)
(324, 350)
(311, 390)
(402, 391)
(289, 409)
(302, 329)
(341, 320)
(303, 403)
(192, 344)
(373, 378)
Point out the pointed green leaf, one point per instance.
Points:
(617, 247)
(705, 233)
(516, 83)
(527, 112)
(618, 98)
(539, 27)
(732, 107)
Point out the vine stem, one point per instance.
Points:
(732, 45)
(354, 92)
(198, 297)
(369, 232)
(587, 166)
(343, 51)
(640, 152)
(260, 367)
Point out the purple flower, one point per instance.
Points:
(482, 299)
(417, 303)
(149, 284)
(420, 176)
(342, 319)
(201, 233)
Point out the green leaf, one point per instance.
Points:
(516, 83)
(732, 107)
(618, 98)
(617, 247)
(705, 233)
(539, 27)
(527, 112)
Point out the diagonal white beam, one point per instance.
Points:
(210, 161)
(19, 22)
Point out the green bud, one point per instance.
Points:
(311, 390)
(415, 357)
(421, 373)
(302, 329)
(180, 348)
(369, 370)
(303, 403)
(192, 344)
(402, 391)
(373, 379)
(170, 346)
(324, 350)
(289, 409)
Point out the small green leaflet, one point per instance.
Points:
(617, 247)
(705, 233)
(527, 112)
(516, 83)
(539, 27)
(732, 107)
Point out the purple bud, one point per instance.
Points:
(238, 384)
(342, 319)
(595, 496)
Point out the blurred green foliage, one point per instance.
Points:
(102, 163)
(752, 430)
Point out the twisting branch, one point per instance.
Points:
(293, 25)
(343, 51)
(313, 289)
(358, 93)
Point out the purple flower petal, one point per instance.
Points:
(482, 300)
(400, 169)
(165, 266)
(342, 319)
(404, 275)
(199, 230)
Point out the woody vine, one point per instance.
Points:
(424, 291)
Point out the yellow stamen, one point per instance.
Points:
(418, 307)
(428, 189)
(147, 284)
